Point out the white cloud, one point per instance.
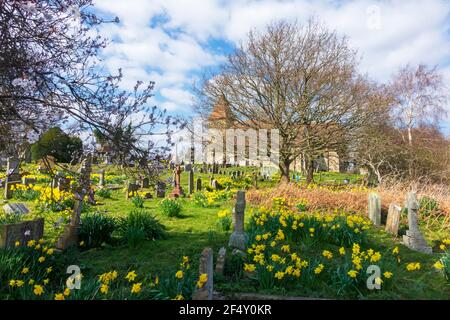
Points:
(167, 41)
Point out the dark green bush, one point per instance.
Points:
(140, 220)
(170, 207)
(96, 229)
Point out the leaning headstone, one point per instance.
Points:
(374, 209)
(393, 219)
(220, 263)
(191, 182)
(12, 176)
(70, 233)
(414, 238)
(16, 209)
(206, 267)
(238, 238)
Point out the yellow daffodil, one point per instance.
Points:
(137, 287)
(38, 290)
(179, 274)
(59, 296)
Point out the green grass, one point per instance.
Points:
(197, 229)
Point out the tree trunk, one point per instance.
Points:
(310, 171)
(284, 168)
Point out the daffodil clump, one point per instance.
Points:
(338, 227)
(210, 199)
(34, 269)
(39, 277)
(46, 197)
(224, 220)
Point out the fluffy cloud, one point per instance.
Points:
(170, 41)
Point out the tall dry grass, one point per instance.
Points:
(436, 223)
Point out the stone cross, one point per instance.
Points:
(191, 182)
(206, 267)
(375, 209)
(238, 238)
(414, 238)
(177, 190)
(393, 219)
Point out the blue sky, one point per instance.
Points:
(172, 41)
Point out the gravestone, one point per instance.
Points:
(187, 167)
(12, 176)
(145, 182)
(132, 188)
(70, 233)
(215, 184)
(160, 189)
(238, 238)
(414, 238)
(255, 181)
(198, 185)
(374, 207)
(393, 219)
(16, 209)
(101, 181)
(22, 232)
(191, 182)
(177, 190)
(220, 263)
(27, 181)
(206, 267)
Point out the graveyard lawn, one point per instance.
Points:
(198, 228)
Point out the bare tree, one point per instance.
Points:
(50, 75)
(301, 80)
(420, 97)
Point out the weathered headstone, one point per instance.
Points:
(101, 181)
(27, 181)
(414, 238)
(393, 219)
(206, 267)
(160, 189)
(220, 263)
(238, 238)
(145, 182)
(198, 185)
(187, 167)
(374, 208)
(22, 232)
(12, 176)
(132, 188)
(16, 209)
(191, 182)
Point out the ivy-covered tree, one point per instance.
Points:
(58, 144)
